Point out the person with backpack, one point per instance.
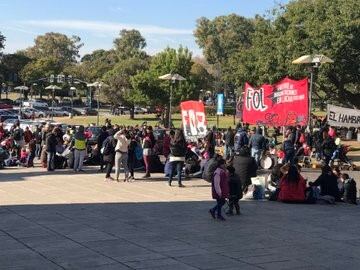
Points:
(108, 151)
(241, 138)
(18, 136)
(289, 149)
(99, 142)
(219, 189)
(177, 155)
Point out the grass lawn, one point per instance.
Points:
(151, 119)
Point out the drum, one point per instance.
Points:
(266, 162)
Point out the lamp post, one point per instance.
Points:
(316, 60)
(72, 91)
(173, 77)
(98, 86)
(22, 88)
(53, 88)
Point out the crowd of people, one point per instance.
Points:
(229, 170)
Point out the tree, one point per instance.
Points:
(298, 28)
(158, 91)
(2, 41)
(121, 90)
(130, 44)
(51, 54)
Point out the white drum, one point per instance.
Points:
(266, 162)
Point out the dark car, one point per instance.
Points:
(88, 111)
(4, 115)
(71, 110)
(5, 105)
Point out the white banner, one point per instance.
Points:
(342, 117)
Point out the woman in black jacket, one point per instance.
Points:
(328, 183)
(108, 151)
(177, 155)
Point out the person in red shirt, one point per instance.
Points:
(292, 185)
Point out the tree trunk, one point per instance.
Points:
(166, 120)
(132, 112)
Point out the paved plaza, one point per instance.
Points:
(62, 220)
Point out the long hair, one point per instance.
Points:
(292, 175)
(179, 136)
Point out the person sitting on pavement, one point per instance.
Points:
(292, 185)
(328, 183)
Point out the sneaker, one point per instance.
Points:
(212, 213)
(146, 176)
(221, 218)
(181, 185)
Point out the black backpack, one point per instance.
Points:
(108, 148)
(209, 169)
(350, 191)
(17, 134)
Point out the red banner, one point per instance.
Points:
(282, 104)
(193, 119)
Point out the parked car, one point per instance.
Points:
(88, 111)
(35, 103)
(71, 110)
(29, 112)
(5, 116)
(58, 112)
(4, 105)
(139, 110)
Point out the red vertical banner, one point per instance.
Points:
(282, 104)
(193, 119)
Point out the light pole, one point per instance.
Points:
(173, 78)
(22, 88)
(98, 86)
(72, 91)
(53, 88)
(316, 60)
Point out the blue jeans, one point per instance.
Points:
(178, 165)
(228, 151)
(219, 204)
(50, 161)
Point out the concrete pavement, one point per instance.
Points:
(63, 220)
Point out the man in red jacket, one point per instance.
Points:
(220, 189)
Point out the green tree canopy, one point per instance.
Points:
(130, 43)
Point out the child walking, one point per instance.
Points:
(220, 189)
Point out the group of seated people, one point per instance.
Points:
(288, 185)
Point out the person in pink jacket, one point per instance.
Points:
(220, 189)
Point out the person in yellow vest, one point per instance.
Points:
(79, 149)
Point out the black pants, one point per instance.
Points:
(219, 204)
(108, 169)
(101, 161)
(131, 163)
(234, 202)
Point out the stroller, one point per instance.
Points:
(340, 159)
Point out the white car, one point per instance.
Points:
(58, 112)
(29, 112)
(35, 103)
(139, 110)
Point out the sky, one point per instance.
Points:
(97, 22)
